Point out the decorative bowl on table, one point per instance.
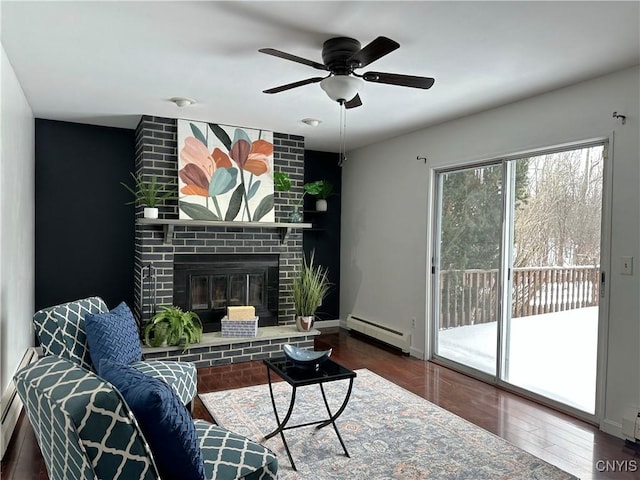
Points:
(305, 359)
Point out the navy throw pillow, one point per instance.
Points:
(113, 336)
(163, 419)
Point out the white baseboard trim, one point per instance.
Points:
(612, 428)
(11, 405)
(326, 323)
(416, 352)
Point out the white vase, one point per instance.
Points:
(304, 324)
(150, 212)
(321, 205)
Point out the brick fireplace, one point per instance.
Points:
(155, 254)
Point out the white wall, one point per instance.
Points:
(386, 202)
(17, 161)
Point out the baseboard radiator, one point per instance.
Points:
(11, 405)
(385, 334)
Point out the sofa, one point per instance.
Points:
(62, 331)
(86, 430)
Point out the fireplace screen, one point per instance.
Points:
(221, 291)
(208, 284)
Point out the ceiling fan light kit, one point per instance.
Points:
(341, 88)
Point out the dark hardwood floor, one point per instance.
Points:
(568, 443)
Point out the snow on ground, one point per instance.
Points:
(552, 354)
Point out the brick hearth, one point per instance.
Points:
(215, 350)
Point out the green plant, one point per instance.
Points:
(281, 181)
(149, 193)
(309, 287)
(322, 189)
(173, 326)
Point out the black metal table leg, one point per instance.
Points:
(332, 417)
(281, 425)
(296, 377)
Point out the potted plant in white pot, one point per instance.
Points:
(173, 326)
(321, 189)
(310, 286)
(149, 193)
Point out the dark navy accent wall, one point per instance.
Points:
(84, 232)
(324, 238)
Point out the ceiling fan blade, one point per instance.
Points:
(354, 102)
(378, 48)
(289, 86)
(293, 58)
(397, 79)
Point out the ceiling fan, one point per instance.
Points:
(343, 55)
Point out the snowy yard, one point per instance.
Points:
(553, 354)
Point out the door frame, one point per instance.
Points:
(605, 272)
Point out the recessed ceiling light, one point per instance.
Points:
(183, 101)
(312, 122)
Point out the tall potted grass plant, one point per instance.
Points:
(309, 288)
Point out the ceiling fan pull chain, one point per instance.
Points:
(343, 131)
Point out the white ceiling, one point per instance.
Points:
(106, 63)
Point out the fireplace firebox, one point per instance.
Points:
(209, 283)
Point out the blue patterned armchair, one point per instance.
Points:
(86, 430)
(61, 330)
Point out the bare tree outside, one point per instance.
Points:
(556, 224)
(556, 245)
(557, 233)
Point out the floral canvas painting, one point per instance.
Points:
(225, 173)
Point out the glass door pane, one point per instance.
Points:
(256, 289)
(219, 291)
(468, 260)
(552, 328)
(199, 291)
(237, 289)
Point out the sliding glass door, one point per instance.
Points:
(552, 329)
(517, 272)
(470, 220)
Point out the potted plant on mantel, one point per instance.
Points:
(322, 189)
(310, 286)
(149, 193)
(282, 183)
(173, 326)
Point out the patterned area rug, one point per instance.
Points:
(390, 433)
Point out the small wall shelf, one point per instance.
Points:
(283, 227)
(312, 213)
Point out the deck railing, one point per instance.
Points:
(470, 297)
